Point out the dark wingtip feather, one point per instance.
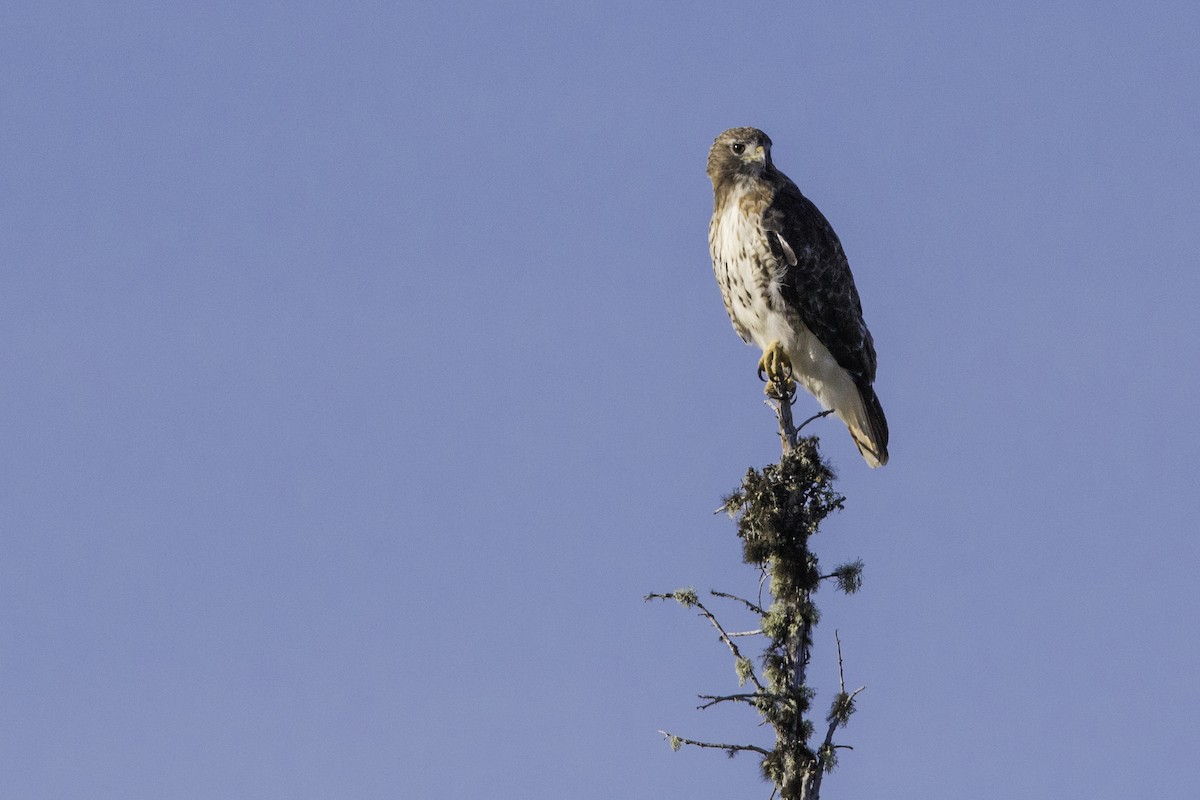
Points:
(878, 446)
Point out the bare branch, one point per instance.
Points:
(688, 599)
(757, 609)
(783, 411)
(677, 741)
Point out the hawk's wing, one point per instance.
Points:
(817, 282)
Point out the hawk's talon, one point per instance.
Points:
(774, 366)
(767, 375)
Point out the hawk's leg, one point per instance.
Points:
(776, 369)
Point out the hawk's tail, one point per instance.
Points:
(870, 429)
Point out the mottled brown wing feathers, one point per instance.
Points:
(817, 278)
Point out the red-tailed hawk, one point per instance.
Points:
(787, 286)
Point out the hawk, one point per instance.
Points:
(788, 289)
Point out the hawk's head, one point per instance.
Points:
(737, 152)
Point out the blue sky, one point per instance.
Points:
(363, 368)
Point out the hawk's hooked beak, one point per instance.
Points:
(752, 160)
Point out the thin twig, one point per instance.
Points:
(814, 418)
(818, 771)
(726, 637)
(841, 673)
(733, 648)
(746, 697)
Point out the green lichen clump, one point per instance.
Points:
(778, 509)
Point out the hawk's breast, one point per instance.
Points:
(746, 270)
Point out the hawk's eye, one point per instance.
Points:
(738, 148)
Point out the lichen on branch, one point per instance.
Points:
(778, 510)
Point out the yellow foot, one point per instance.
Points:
(774, 365)
(775, 368)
